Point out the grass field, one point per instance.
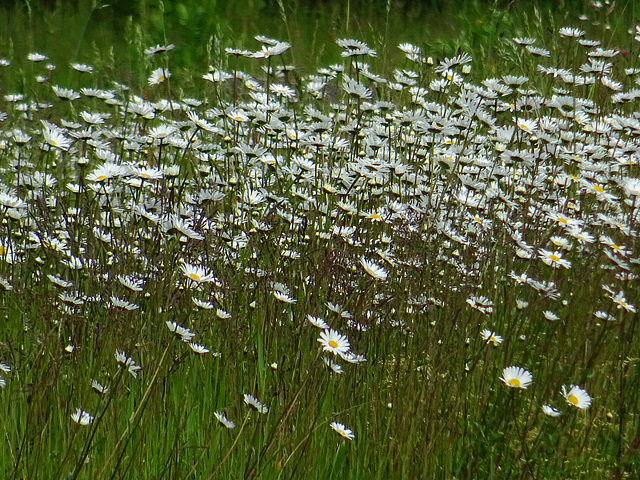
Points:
(304, 255)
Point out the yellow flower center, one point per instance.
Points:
(514, 382)
(555, 258)
(333, 344)
(2, 250)
(101, 177)
(161, 79)
(53, 143)
(615, 247)
(573, 399)
(376, 216)
(563, 220)
(194, 276)
(598, 188)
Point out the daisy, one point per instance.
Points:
(631, 186)
(342, 430)
(571, 32)
(373, 269)
(4, 283)
(158, 49)
(37, 57)
(527, 126)
(161, 132)
(59, 281)
(353, 358)
(81, 417)
(336, 367)
(519, 279)
(196, 273)
(524, 40)
(604, 316)
(283, 297)
(107, 171)
(516, 377)
(542, 52)
(560, 242)
(334, 342)
(605, 240)
(184, 227)
(185, 334)
(222, 418)
(98, 387)
(356, 89)
(481, 303)
(65, 93)
(620, 299)
(282, 90)
(81, 67)
(121, 357)
(317, 322)
(159, 75)
(199, 349)
(255, 403)
(120, 303)
(489, 336)
(553, 259)
(550, 411)
(131, 283)
(203, 304)
(576, 396)
(55, 138)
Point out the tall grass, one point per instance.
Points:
(253, 271)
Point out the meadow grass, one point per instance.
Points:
(417, 266)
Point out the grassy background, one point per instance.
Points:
(113, 34)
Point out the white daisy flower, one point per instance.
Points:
(255, 403)
(82, 417)
(491, 337)
(336, 367)
(342, 430)
(373, 269)
(516, 377)
(122, 358)
(185, 334)
(199, 349)
(334, 342)
(317, 322)
(576, 396)
(222, 418)
(550, 411)
(553, 259)
(159, 75)
(196, 273)
(283, 297)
